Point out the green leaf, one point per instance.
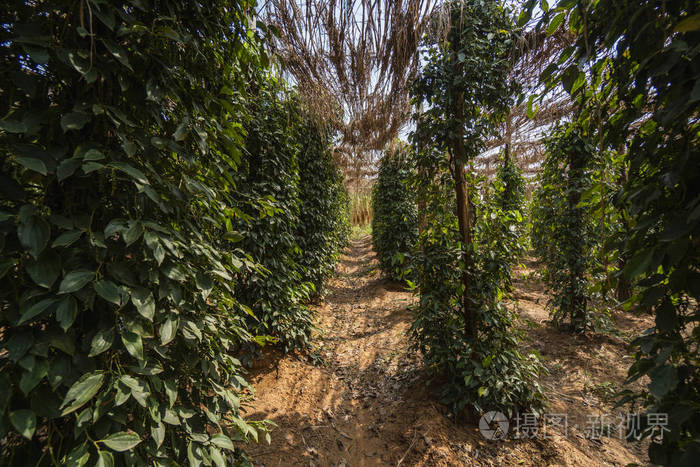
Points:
(216, 456)
(222, 441)
(67, 168)
(144, 302)
(158, 434)
(33, 163)
(93, 155)
(67, 238)
(133, 233)
(34, 234)
(170, 391)
(101, 342)
(104, 459)
(91, 167)
(204, 284)
(24, 422)
(45, 270)
(32, 377)
(74, 121)
(66, 312)
(133, 172)
(233, 236)
(82, 391)
(13, 126)
(36, 309)
(194, 454)
(75, 280)
(663, 380)
(133, 344)
(168, 330)
(555, 23)
(122, 441)
(78, 457)
(109, 291)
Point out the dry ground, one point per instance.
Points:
(367, 403)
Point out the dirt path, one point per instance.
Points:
(366, 402)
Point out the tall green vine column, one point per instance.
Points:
(120, 128)
(395, 215)
(461, 325)
(562, 230)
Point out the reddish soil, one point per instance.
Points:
(367, 403)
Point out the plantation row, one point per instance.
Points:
(167, 207)
(614, 219)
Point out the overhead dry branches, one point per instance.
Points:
(352, 60)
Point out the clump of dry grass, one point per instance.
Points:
(360, 209)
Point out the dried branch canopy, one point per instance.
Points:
(353, 61)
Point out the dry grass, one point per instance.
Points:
(360, 209)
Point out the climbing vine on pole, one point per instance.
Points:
(461, 325)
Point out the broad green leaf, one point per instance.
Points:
(24, 422)
(158, 434)
(555, 23)
(104, 459)
(217, 457)
(194, 454)
(78, 457)
(133, 172)
(66, 312)
(34, 234)
(101, 342)
(32, 377)
(45, 270)
(170, 391)
(144, 302)
(233, 236)
(663, 380)
(168, 330)
(122, 441)
(133, 233)
(74, 121)
(93, 155)
(82, 391)
(67, 168)
(204, 284)
(133, 344)
(109, 291)
(13, 126)
(75, 280)
(222, 441)
(36, 309)
(33, 163)
(67, 238)
(89, 167)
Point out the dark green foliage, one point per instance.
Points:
(289, 164)
(324, 222)
(466, 251)
(278, 298)
(651, 51)
(489, 371)
(132, 144)
(116, 295)
(562, 228)
(506, 218)
(395, 218)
